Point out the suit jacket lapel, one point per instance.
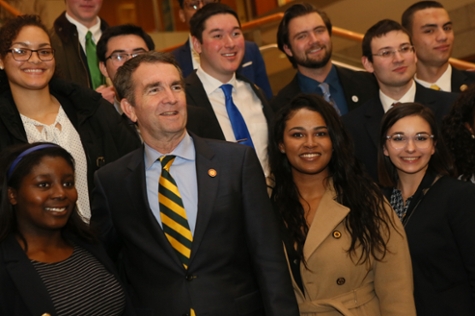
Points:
(373, 116)
(207, 189)
(27, 281)
(328, 215)
(196, 95)
(139, 202)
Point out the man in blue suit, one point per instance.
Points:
(252, 66)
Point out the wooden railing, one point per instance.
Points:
(336, 31)
(9, 8)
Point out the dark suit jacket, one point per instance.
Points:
(252, 65)
(237, 262)
(22, 292)
(359, 87)
(196, 96)
(363, 124)
(441, 237)
(461, 78)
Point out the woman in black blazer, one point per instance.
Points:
(438, 212)
(50, 263)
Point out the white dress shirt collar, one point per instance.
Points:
(82, 31)
(444, 82)
(211, 84)
(185, 150)
(387, 102)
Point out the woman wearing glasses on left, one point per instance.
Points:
(36, 106)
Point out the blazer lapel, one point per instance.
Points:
(142, 214)
(373, 116)
(328, 215)
(27, 281)
(207, 175)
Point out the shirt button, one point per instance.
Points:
(340, 281)
(336, 234)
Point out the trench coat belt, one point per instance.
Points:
(341, 303)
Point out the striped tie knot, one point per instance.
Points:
(167, 161)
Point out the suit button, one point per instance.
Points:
(340, 281)
(190, 277)
(336, 234)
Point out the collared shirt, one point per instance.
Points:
(82, 31)
(63, 133)
(195, 57)
(409, 96)
(444, 82)
(117, 106)
(397, 202)
(183, 171)
(309, 85)
(248, 104)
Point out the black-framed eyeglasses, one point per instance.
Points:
(24, 54)
(387, 53)
(400, 141)
(123, 57)
(195, 4)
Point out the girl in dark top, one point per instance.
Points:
(438, 212)
(50, 263)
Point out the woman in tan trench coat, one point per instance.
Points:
(347, 251)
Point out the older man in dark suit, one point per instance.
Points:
(190, 216)
(389, 54)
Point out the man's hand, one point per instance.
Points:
(108, 93)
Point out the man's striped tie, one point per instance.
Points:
(172, 213)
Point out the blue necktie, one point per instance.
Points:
(241, 133)
(328, 97)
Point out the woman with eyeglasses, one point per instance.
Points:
(35, 106)
(437, 211)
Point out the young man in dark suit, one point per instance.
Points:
(213, 246)
(388, 54)
(304, 35)
(218, 39)
(252, 65)
(432, 34)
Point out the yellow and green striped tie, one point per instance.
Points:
(173, 214)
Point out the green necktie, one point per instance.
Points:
(92, 62)
(172, 213)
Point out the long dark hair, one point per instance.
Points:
(367, 220)
(440, 161)
(458, 138)
(12, 173)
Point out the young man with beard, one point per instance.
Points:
(388, 54)
(304, 35)
(432, 33)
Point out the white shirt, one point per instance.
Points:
(63, 133)
(444, 82)
(82, 31)
(250, 107)
(387, 102)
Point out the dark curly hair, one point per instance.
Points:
(457, 136)
(368, 220)
(12, 177)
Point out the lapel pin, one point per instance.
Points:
(463, 87)
(354, 98)
(212, 173)
(336, 234)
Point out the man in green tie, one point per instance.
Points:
(74, 37)
(189, 216)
